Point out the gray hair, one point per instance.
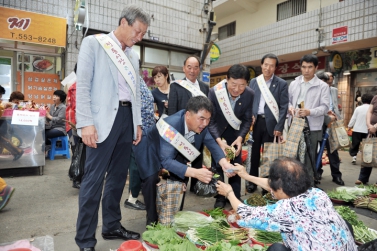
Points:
(133, 12)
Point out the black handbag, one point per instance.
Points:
(76, 170)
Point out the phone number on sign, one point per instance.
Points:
(27, 37)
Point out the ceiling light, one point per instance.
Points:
(345, 73)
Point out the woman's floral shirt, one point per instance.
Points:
(147, 109)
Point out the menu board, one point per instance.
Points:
(34, 63)
(39, 87)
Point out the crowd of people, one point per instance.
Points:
(111, 110)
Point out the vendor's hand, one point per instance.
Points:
(303, 112)
(228, 168)
(240, 170)
(223, 188)
(238, 143)
(138, 135)
(203, 174)
(89, 136)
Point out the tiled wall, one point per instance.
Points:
(298, 33)
(175, 22)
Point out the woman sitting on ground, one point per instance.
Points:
(55, 118)
(303, 215)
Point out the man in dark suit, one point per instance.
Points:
(179, 96)
(192, 124)
(222, 126)
(267, 123)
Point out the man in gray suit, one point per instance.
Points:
(266, 125)
(108, 120)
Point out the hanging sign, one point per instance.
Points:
(25, 26)
(339, 35)
(215, 53)
(25, 118)
(336, 62)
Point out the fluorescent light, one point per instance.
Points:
(345, 73)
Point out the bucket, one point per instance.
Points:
(131, 245)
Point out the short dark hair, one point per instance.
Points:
(195, 104)
(192, 56)
(161, 69)
(289, 175)
(16, 95)
(309, 58)
(238, 71)
(61, 94)
(2, 90)
(366, 98)
(132, 13)
(272, 56)
(323, 76)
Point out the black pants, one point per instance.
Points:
(110, 159)
(334, 162)
(357, 138)
(52, 133)
(260, 136)
(149, 191)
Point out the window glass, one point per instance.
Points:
(156, 56)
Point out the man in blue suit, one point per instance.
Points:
(267, 123)
(192, 124)
(108, 120)
(235, 93)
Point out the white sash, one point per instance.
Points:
(172, 136)
(226, 108)
(190, 87)
(268, 97)
(120, 60)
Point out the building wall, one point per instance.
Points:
(266, 14)
(175, 22)
(298, 33)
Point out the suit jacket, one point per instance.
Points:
(97, 89)
(334, 96)
(160, 153)
(243, 111)
(179, 96)
(279, 90)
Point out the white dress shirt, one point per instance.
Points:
(196, 84)
(262, 102)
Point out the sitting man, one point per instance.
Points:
(173, 144)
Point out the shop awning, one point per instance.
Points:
(30, 27)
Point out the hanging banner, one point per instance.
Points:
(25, 26)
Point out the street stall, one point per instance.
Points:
(32, 48)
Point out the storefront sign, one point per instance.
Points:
(294, 69)
(39, 87)
(215, 53)
(336, 62)
(216, 80)
(252, 72)
(25, 118)
(25, 26)
(339, 35)
(360, 59)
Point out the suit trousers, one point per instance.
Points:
(334, 162)
(135, 181)
(260, 136)
(149, 190)
(235, 181)
(357, 138)
(108, 163)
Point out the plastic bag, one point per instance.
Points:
(207, 190)
(353, 190)
(76, 170)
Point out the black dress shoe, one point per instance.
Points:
(251, 188)
(87, 249)
(338, 181)
(121, 233)
(319, 176)
(219, 203)
(138, 205)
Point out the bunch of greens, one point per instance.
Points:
(231, 246)
(341, 195)
(216, 213)
(160, 235)
(366, 202)
(185, 245)
(364, 234)
(265, 237)
(349, 215)
(184, 220)
(372, 189)
(230, 153)
(256, 200)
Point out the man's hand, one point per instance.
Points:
(291, 111)
(372, 129)
(238, 143)
(277, 134)
(89, 136)
(332, 118)
(228, 168)
(138, 135)
(223, 145)
(303, 112)
(203, 174)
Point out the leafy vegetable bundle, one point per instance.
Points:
(184, 220)
(160, 235)
(229, 246)
(372, 189)
(265, 237)
(256, 200)
(366, 202)
(341, 195)
(216, 213)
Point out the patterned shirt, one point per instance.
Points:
(147, 109)
(306, 222)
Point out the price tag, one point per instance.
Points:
(25, 118)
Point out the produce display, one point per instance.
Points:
(341, 195)
(372, 189)
(229, 246)
(230, 153)
(160, 235)
(184, 220)
(265, 236)
(366, 202)
(216, 213)
(256, 200)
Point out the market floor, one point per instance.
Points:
(47, 204)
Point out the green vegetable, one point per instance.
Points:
(230, 153)
(341, 195)
(366, 202)
(185, 245)
(256, 200)
(159, 235)
(216, 213)
(265, 237)
(372, 189)
(363, 234)
(184, 220)
(228, 246)
(349, 215)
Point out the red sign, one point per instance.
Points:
(294, 67)
(339, 35)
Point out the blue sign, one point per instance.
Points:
(205, 76)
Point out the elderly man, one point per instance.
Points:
(269, 110)
(182, 90)
(232, 100)
(312, 94)
(108, 120)
(331, 116)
